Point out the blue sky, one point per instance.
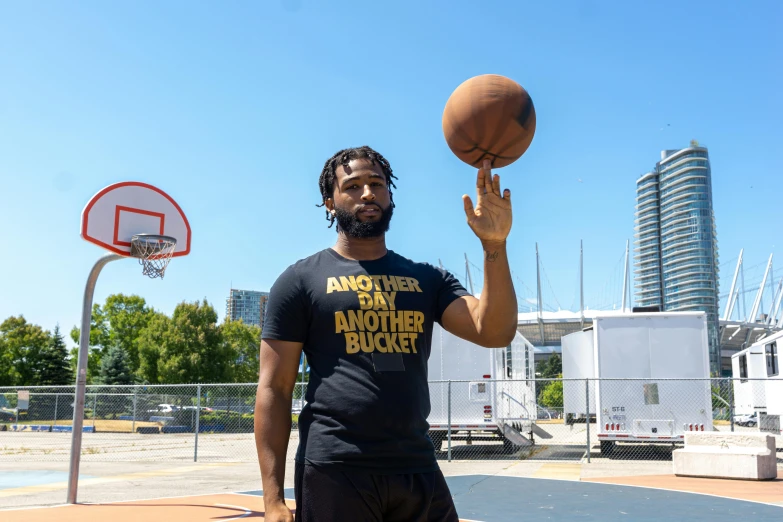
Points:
(233, 107)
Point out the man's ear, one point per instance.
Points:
(329, 203)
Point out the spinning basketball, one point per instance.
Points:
(489, 116)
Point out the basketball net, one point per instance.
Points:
(154, 253)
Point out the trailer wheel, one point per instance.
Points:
(437, 438)
(607, 447)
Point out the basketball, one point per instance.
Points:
(489, 116)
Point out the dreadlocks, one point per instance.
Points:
(343, 157)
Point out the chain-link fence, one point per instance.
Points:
(543, 419)
(134, 423)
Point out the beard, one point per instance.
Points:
(350, 224)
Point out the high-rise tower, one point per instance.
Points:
(676, 245)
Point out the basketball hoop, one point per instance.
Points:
(117, 219)
(154, 252)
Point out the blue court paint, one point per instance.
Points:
(489, 498)
(18, 479)
(498, 499)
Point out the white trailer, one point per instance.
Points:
(749, 369)
(578, 363)
(495, 393)
(758, 382)
(651, 372)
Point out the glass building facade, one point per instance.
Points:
(248, 305)
(647, 243)
(675, 243)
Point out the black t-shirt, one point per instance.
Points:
(366, 328)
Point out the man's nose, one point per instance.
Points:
(368, 195)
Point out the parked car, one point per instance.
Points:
(747, 419)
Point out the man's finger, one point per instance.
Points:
(496, 184)
(507, 195)
(487, 175)
(469, 212)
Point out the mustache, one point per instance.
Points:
(368, 206)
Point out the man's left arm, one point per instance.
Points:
(491, 320)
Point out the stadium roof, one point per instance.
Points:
(554, 325)
(734, 335)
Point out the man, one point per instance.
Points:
(363, 315)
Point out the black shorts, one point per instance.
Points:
(325, 495)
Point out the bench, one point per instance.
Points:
(748, 456)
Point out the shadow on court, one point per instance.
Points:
(648, 452)
(479, 452)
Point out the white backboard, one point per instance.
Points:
(119, 211)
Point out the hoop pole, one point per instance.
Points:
(81, 375)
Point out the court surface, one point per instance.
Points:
(18, 479)
(487, 498)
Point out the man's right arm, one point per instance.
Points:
(279, 366)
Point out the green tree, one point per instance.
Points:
(99, 337)
(8, 375)
(127, 316)
(115, 367)
(552, 396)
(54, 368)
(120, 321)
(149, 345)
(721, 395)
(194, 351)
(242, 341)
(25, 343)
(552, 367)
(187, 348)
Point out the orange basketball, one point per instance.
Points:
(489, 116)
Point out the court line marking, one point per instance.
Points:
(564, 471)
(54, 486)
(122, 501)
(247, 512)
(30, 508)
(681, 491)
(292, 500)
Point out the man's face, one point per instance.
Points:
(361, 200)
